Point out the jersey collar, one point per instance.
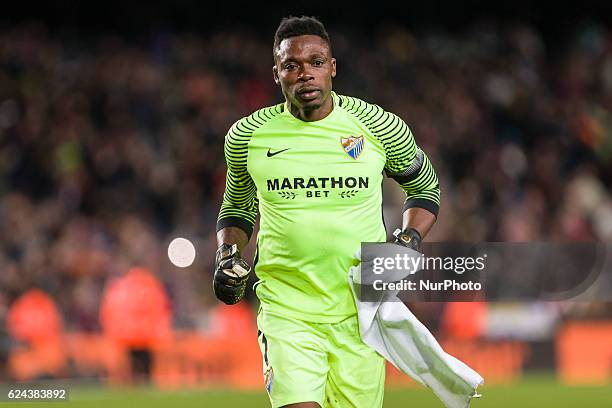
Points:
(334, 108)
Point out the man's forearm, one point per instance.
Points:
(418, 218)
(232, 235)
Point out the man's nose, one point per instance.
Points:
(305, 75)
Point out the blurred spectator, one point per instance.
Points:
(34, 319)
(135, 314)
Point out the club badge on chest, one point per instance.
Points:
(352, 145)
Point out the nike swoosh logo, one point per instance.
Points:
(270, 154)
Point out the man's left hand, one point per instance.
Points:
(410, 238)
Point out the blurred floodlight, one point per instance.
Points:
(181, 252)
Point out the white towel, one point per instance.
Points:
(391, 329)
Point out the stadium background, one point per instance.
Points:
(112, 119)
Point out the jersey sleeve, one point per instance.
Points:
(239, 206)
(405, 162)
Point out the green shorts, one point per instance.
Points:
(322, 362)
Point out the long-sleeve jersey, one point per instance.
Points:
(318, 189)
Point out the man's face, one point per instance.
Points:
(304, 69)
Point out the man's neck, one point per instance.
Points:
(311, 115)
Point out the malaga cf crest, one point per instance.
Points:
(352, 145)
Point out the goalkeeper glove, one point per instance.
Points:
(231, 274)
(410, 238)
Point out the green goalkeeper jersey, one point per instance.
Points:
(318, 188)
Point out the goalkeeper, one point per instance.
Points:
(313, 168)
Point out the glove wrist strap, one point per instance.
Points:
(225, 251)
(406, 236)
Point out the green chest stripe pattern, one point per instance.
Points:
(406, 163)
(239, 207)
(390, 130)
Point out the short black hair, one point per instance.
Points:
(296, 26)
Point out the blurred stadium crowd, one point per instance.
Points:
(111, 147)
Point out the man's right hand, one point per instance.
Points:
(231, 274)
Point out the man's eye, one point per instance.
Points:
(318, 63)
(290, 67)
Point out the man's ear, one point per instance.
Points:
(333, 73)
(275, 75)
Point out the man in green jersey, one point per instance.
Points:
(313, 167)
